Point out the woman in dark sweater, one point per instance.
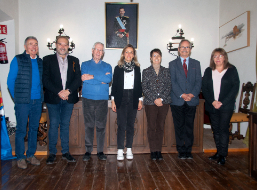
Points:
(156, 86)
(126, 98)
(220, 86)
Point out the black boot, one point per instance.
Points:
(214, 157)
(221, 160)
(159, 155)
(153, 155)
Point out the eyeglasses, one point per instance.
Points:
(99, 50)
(62, 44)
(182, 47)
(218, 56)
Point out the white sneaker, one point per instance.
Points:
(120, 154)
(129, 155)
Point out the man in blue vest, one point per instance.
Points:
(25, 86)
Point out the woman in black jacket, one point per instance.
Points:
(220, 86)
(126, 98)
(156, 85)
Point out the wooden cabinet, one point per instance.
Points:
(140, 142)
(253, 145)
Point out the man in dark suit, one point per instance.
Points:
(186, 83)
(61, 79)
(121, 29)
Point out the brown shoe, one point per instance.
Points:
(33, 160)
(22, 164)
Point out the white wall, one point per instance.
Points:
(244, 59)
(84, 21)
(11, 8)
(4, 69)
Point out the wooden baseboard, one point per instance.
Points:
(39, 153)
(229, 150)
(44, 153)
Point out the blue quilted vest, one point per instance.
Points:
(23, 82)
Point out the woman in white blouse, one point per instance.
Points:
(126, 98)
(220, 86)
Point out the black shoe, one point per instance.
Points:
(101, 156)
(221, 160)
(68, 157)
(51, 158)
(182, 155)
(159, 155)
(189, 155)
(214, 157)
(153, 155)
(87, 156)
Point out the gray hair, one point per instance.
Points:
(98, 43)
(29, 38)
(184, 40)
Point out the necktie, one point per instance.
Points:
(185, 67)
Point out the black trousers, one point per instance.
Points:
(126, 116)
(220, 126)
(183, 118)
(156, 116)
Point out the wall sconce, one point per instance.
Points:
(61, 32)
(176, 40)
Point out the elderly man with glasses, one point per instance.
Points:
(96, 76)
(186, 83)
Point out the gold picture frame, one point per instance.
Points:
(116, 35)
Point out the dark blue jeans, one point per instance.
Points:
(23, 112)
(59, 115)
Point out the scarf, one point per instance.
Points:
(128, 67)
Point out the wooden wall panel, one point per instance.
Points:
(140, 143)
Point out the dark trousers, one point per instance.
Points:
(220, 126)
(126, 116)
(156, 116)
(95, 115)
(183, 118)
(59, 115)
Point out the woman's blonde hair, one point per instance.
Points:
(122, 57)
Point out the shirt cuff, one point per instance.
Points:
(141, 99)
(112, 97)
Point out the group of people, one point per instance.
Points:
(56, 80)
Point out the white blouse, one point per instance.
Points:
(216, 78)
(129, 80)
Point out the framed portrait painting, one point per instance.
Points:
(121, 25)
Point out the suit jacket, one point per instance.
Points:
(52, 79)
(228, 89)
(156, 86)
(182, 84)
(118, 86)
